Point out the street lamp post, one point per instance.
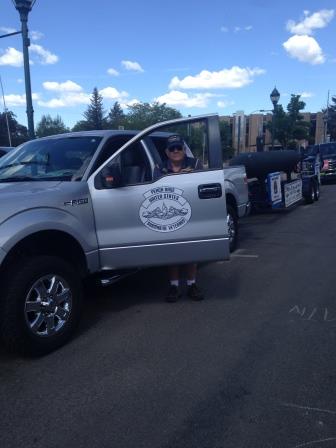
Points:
(24, 7)
(275, 96)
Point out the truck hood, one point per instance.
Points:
(16, 197)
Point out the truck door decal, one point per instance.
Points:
(165, 209)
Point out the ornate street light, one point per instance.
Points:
(275, 96)
(24, 7)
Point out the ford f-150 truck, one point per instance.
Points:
(87, 203)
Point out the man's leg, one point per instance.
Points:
(193, 290)
(173, 292)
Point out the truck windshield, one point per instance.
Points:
(64, 158)
(329, 149)
(325, 149)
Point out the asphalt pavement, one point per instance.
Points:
(252, 366)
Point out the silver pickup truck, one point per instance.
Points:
(87, 203)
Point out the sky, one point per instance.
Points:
(214, 56)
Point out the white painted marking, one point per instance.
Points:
(308, 408)
(314, 442)
(297, 310)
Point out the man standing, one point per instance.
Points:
(178, 162)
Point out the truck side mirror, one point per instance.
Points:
(111, 176)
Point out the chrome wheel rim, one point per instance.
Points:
(313, 194)
(48, 305)
(231, 228)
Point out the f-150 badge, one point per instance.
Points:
(165, 209)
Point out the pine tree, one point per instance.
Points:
(94, 115)
(116, 117)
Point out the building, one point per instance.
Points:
(246, 129)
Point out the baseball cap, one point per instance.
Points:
(175, 140)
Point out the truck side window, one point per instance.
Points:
(195, 143)
(110, 147)
(134, 164)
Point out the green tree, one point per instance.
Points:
(289, 127)
(331, 116)
(81, 125)
(94, 115)
(18, 132)
(115, 117)
(226, 140)
(50, 126)
(142, 115)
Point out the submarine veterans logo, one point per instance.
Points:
(165, 209)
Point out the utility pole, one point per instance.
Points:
(24, 7)
(325, 119)
(6, 113)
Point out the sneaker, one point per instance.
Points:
(173, 294)
(194, 292)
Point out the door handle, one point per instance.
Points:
(209, 191)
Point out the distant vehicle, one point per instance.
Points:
(327, 153)
(4, 150)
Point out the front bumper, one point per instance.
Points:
(328, 175)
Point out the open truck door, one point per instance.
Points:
(145, 220)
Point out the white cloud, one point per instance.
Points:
(6, 30)
(12, 57)
(45, 56)
(67, 86)
(225, 103)
(182, 99)
(236, 29)
(19, 81)
(13, 100)
(305, 49)
(316, 20)
(36, 35)
(307, 94)
(132, 66)
(129, 103)
(113, 72)
(66, 100)
(232, 78)
(111, 93)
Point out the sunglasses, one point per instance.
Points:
(175, 148)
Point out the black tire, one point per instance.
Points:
(316, 191)
(310, 197)
(42, 294)
(232, 222)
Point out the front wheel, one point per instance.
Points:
(41, 305)
(232, 223)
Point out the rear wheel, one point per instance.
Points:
(41, 305)
(316, 191)
(310, 196)
(232, 223)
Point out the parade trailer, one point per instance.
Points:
(279, 179)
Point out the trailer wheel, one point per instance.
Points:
(316, 191)
(41, 304)
(310, 196)
(232, 223)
